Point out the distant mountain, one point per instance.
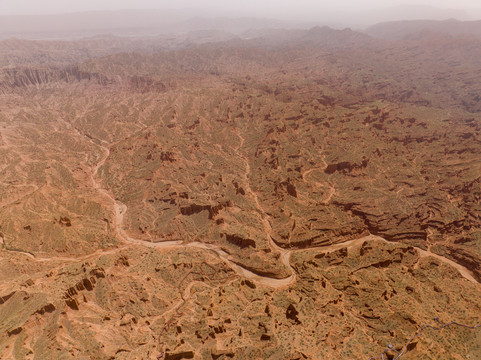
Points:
(316, 36)
(232, 25)
(407, 29)
(413, 12)
(175, 21)
(60, 52)
(15, 51)
(123, 23)
(361, 19)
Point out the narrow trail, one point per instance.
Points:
(121, 209)
(284, 254)
(323, 166)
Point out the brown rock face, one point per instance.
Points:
(242, 201)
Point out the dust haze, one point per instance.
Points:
(345, 12)
(227, 180)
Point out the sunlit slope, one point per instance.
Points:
(240, 202)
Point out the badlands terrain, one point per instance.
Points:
(289, 194)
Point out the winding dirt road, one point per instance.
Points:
(120, 210)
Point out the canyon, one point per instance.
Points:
(298, 194)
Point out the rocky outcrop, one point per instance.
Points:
(86, 284)
(24, 78)
(345, 166)
(213, 210)
(240, 241)
(462, 256)
(146, 84)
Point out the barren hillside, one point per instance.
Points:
(313, 198)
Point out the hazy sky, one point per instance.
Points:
(260, 7)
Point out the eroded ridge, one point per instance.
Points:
(236, 201)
